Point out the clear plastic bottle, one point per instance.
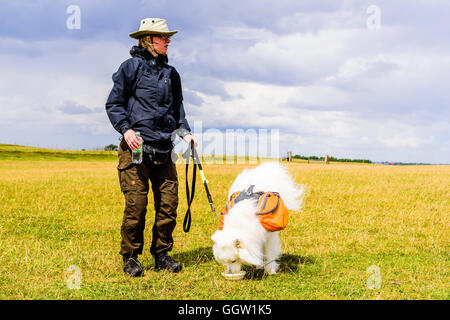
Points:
(136, 155)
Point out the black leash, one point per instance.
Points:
(191, 152)
(189, 197)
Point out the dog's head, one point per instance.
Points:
(230, 248)
(242, 236)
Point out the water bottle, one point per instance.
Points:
(136, 155)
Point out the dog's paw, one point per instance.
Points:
(271, 268)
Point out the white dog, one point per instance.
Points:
(243, 240)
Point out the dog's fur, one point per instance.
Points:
(243, 239)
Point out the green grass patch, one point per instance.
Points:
(17, 152)
(57, 214)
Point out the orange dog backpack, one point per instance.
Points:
(270, 210)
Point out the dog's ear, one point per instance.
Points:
(237, 243)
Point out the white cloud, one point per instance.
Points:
(37, 86)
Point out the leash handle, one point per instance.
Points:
(189, 196)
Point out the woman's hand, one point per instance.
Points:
(189, 137)
(132, 139)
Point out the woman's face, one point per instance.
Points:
(161, 43)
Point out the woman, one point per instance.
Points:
(147, 97)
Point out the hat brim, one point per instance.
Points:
(138, 34)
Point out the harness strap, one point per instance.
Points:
(246, 194)
(261, 196)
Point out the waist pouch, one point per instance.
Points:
(156, 156)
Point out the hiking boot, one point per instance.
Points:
(132, 266)
(164, 262)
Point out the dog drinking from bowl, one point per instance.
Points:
(247, 233)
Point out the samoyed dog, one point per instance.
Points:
(243, 240)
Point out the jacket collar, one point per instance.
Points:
(146, 55)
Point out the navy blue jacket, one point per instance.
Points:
(147, 97)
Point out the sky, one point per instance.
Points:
(350, 79)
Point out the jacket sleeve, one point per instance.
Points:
(116, 104)
(180, 115)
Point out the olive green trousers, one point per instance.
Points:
(134, 184)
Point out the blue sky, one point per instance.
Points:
(312, 69)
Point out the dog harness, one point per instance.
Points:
(270, 210)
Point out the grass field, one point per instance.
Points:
(57, 214)
(17, 152)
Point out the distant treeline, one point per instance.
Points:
(404, 163)
(331, 159)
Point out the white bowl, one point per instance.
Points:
(234, 276)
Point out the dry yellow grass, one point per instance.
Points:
(55, 214)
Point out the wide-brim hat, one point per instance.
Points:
(152, 26)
